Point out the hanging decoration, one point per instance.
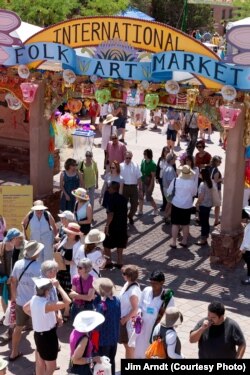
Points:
(144, 84)
(133, 97)
(13, 102)
(102, 96)
(151, 101)
(203, 122)
(93, 78)
(69, 77)
(228, 93)
(23, 71)
(229, 116)
(29, 90)
(172, 87)
(247, 174)
(51, 160)
(74, 105)
(191, 98)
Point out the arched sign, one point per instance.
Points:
(125, 48)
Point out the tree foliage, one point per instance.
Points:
(243, 9)
(103, 8)
(171, 13)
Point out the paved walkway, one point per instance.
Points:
(188, 271)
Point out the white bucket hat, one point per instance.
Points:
(86, 321)
(95, 236)
(67, 215)
(38, 206)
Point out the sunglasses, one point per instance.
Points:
(88, 156)
(79, 268)
(114, 138)
(128, 158)
(112, 168)
(124, 273)
(200, 147)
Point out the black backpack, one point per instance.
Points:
(31, 214)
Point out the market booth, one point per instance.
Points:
(126, 60)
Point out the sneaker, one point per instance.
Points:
(139, 213)
(131, 221)
(246, 281)
(156, 212)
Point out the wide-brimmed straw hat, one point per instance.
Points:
(186, 172)
(109, 119)
(38, 206)
(94, 236)
(32, 248)
(86, 321)
(81, 193)
(73, 228)
(104, 286)
(171, 317)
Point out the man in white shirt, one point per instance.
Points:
(132, 187)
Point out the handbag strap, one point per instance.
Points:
(190, 120)
(174, 188)
(25, 269)
(129, 286)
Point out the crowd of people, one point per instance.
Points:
(53, 272)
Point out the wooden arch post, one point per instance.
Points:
(227, 238)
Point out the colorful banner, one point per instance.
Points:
(237, 76)
(15, 203)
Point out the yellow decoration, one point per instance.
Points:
(191, 98)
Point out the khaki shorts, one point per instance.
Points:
(21, 318)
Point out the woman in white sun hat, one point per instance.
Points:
(42, 228)
(94, 252)
(81, 347)
(83, 210)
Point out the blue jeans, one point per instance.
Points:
(91, 193)
(204, 221)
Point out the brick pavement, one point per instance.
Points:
(188, 271)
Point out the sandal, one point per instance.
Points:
(12, 359)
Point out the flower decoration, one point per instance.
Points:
(151, 101)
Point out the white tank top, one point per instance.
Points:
(41, 320)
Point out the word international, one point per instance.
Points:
(191, 366)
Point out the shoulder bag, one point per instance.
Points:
(170, 196)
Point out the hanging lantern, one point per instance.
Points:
(93, 78)
(29, 91)
(74, 105)
(144, 84)
(102, 96)
(23, 71)
(229, 116)
(172, 87)
(151, 101)
(69, 77)
(191, 98)
(228, 93)
(13, 102)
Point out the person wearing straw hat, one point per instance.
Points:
(83, 210)
(171, 318)
(43, 315)
(107, 130)
(81, 347)
(184, 188)
(110, 307)
(93, 251)
(42, 228)
(22, 289)
(3, 366)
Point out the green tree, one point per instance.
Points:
(43, 12)
(171, 13)
(103, 8)
(243, 9)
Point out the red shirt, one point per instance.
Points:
(200, 160)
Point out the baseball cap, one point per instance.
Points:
(67, 215)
